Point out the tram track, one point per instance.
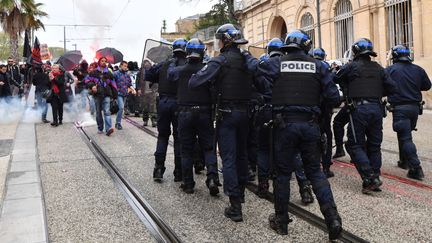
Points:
(158, 228)
(305, 215)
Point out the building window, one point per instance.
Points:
(344, 27)
(399, 26)
(307, 25)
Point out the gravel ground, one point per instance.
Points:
(197, 217)
(401, 213)
(82, 203)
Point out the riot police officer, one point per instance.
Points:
(299, 82)
(167, 110)
(234, 86)
(325, 121)
(365, 83)
(194, 118)
(339, 122)
(265, 136)
(406, 105)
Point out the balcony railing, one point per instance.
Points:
(206, 34)
(242, 4)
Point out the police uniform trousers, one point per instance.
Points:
(294, 138)
(193, 123)
(232, 133)
(404, 122)
(368, 125)
(264, 149)
(339, 122)
(167, 117)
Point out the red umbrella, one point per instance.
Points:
(112, 55)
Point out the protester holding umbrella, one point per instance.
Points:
(103, 88)
(58, 97)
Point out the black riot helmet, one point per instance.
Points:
(401, 53)
(229, 35)
(297, 39)
(363, 46)
(195, 48)
(273, 47)
(179, 45)
(319, 53)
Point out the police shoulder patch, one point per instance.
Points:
(297, 67)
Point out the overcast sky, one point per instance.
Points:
(132, 21)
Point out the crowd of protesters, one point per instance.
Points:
(97, 87)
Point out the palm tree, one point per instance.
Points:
(16, 17)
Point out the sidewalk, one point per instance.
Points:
(23, 215)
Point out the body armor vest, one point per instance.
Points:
(197, 96)
(235, 82)
(298, 83)
(367, 81)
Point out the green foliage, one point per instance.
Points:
(221, 13)
(5, 47)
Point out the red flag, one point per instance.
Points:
(36, 56)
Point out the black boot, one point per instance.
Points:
(403, 164)
(234, 211)
(340, 152)
(177, 169)
(159, 169)
(212, 185)
(333, 220)
(277, 225)
(327, 172)
(416, 173)
(371, 184)
(263, 188)
(306, 194)
(145, 123)
(188, 188)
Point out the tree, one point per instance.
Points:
(221, 13)
(4, 47)
(16, 17)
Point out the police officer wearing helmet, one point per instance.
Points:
(264, 126)
(167, 110)
(365, 83)
(234, 86)
(325, 121)
(407, 103)
(194, 118)
(299, 84)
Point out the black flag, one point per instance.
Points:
(27, 49)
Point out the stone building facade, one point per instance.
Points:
(385, 22)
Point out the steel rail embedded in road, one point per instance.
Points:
(156, 225)
(292, 208)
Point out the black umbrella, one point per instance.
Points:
(112, 55)
(70, 60)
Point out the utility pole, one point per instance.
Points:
(75, 45)
(64, 38)
(319, 22)
(75, 25)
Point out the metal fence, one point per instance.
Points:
(399, 27)
(307, 25)
(344, 27)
